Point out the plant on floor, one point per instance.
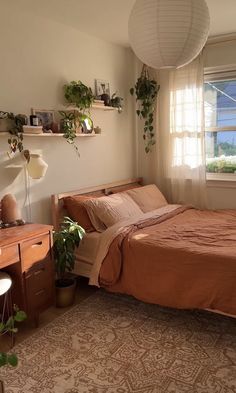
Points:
(116, 102)
(65, 242)
(9, 327)
(146, 90)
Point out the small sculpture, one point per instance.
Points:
(10, 211)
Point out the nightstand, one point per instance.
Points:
(26, 255)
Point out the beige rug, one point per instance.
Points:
(115, 344)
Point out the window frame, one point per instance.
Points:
(217, 74)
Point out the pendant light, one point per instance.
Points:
(168, 33)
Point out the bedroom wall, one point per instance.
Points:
(37, 57)
(218, 197)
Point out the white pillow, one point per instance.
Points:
(108, 210)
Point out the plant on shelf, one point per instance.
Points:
(146, 90)
(69, 124)
(9, 327)
(116, 102)
(65, 242)
(78, 94)
(16, 123)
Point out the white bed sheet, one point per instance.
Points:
(86, 253)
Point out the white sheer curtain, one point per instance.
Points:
(182, 137)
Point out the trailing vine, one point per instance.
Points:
(146, 91)
(16, 130)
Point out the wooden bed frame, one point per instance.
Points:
(58, 210)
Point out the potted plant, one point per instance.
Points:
(116, 102)
(146, 91)
(78, 94)
(9, 327)
(14, 125)
(65, 242)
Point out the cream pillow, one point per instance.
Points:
(108, 210)
(148, 198)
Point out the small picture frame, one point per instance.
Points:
(46, 117)
(101, 87)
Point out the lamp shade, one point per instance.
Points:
(36, 167)
(5, 283)
(168, 33)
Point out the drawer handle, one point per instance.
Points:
(39, 271)
(37, 244)
(40, 292)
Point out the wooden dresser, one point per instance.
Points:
(26, 255)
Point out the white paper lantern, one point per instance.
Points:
(168, 33)
(36, 167)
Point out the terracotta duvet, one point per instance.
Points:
(175, 256)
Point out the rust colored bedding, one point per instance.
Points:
(185, 259)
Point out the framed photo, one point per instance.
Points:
(102, 87)
(46, 117)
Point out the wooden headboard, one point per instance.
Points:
(58, 210)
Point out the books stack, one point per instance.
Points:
(98, 102)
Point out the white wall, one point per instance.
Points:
(37, 57)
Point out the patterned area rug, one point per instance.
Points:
(115, 344)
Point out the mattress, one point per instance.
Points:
(86, 253)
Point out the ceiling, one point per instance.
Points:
(108, 19)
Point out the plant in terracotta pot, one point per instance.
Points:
(9, 327)
(65, 242)
(146, 90)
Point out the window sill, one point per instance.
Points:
(223, 180)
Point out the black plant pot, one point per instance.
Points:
(106, 99)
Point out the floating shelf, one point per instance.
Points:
(45, 134)
(94, 106)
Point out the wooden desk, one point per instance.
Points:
(26, 255)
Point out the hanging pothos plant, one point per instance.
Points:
(16, 123)
(146, 90)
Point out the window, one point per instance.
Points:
(220, 127)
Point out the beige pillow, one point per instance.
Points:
(109, 210)
(148, 198)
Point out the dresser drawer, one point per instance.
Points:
(34, 250)
(8, 255)
(39, 285)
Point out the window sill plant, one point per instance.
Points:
(146, 91)
(65, 242)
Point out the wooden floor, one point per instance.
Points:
(27, 327)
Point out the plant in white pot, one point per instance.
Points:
(65, 242)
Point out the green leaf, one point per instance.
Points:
(12, 360)
(132, 91)
(3, 359)
(20, 316)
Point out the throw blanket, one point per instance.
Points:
(175, 256)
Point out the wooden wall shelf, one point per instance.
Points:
(52, 135)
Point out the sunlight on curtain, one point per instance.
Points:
(186, 156)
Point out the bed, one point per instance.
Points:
(173, 255)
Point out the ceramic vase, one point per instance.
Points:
(10, 211)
